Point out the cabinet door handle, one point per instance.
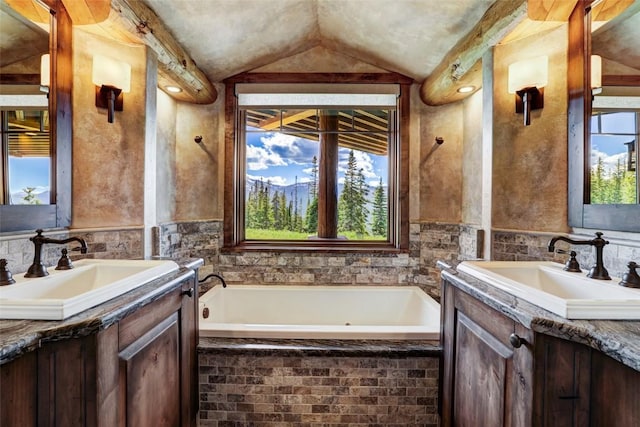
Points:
(188, 292)
(515, 340)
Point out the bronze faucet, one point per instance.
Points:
(224, 284)
(598, 271)
(37, 269)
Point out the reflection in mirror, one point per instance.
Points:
(615, 113)
(26, 166)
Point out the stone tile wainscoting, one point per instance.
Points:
(530, 246)
(276, 388)
(102, 243)
(429, 242)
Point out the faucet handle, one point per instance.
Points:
(572, 265)
(631, 279)
(64, 263)
(5, 275)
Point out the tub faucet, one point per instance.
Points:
(598, 271)
(224, 284)
(37, 269)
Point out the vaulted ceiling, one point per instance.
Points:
(226, 37)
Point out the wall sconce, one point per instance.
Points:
(112, 78)
(45, 73)
(527, 79)
(596, 74)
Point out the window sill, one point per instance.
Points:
(315, 246)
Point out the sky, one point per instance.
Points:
(611, 148)
(29, 172)
(281, 158)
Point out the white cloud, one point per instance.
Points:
(610, 163)
(292, 149)
(363, 161)
(275, 180)
(258, 158)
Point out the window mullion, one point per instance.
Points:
(327, 171)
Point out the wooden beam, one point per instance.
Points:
(620, 80)
(550, 10)
(463, 63)
(174, 62)
(82, 12)
(19, 79)
(275, 122)
(31, 10)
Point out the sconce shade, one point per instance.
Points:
(45, 70)
(528, 73)
(111, 72)
(596, 71)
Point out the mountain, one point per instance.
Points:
(303, 190)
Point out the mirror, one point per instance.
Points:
(18, 217)
(24, 110)
(615, 111)
(595, 190)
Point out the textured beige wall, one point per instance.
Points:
(199, 188)
(472, 160)
(530, 163)
(166, 158)
(108, 158)
(441, 165)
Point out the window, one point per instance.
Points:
(614, 171)
(26, 155)
(317, 164)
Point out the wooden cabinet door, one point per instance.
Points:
(150, 377)
(615, 393)
(487, 381)
(151, 356)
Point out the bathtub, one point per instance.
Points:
(308, 312)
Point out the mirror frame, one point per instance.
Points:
(582, 214)
(58, 213)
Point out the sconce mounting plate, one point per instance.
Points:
(536, 97)
(102, 97)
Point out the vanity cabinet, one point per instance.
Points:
(139, 371)
(496, 372)
(486, 380)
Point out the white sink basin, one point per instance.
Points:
(64, 293)
(547, 285)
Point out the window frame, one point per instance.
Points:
(235, 169)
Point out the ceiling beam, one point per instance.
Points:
(287, 118)
(463, 64)
(175, 66)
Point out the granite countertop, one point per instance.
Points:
(21, 336)
(619, 339)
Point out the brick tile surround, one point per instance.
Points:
(291, 390)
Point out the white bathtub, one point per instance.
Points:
(308, 312)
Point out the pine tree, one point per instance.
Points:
(251, 209)
(379, 220)
(361, 204)
(313, 187)
(276, 211)
(352, 211)
(30, 196)
(311, 219)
